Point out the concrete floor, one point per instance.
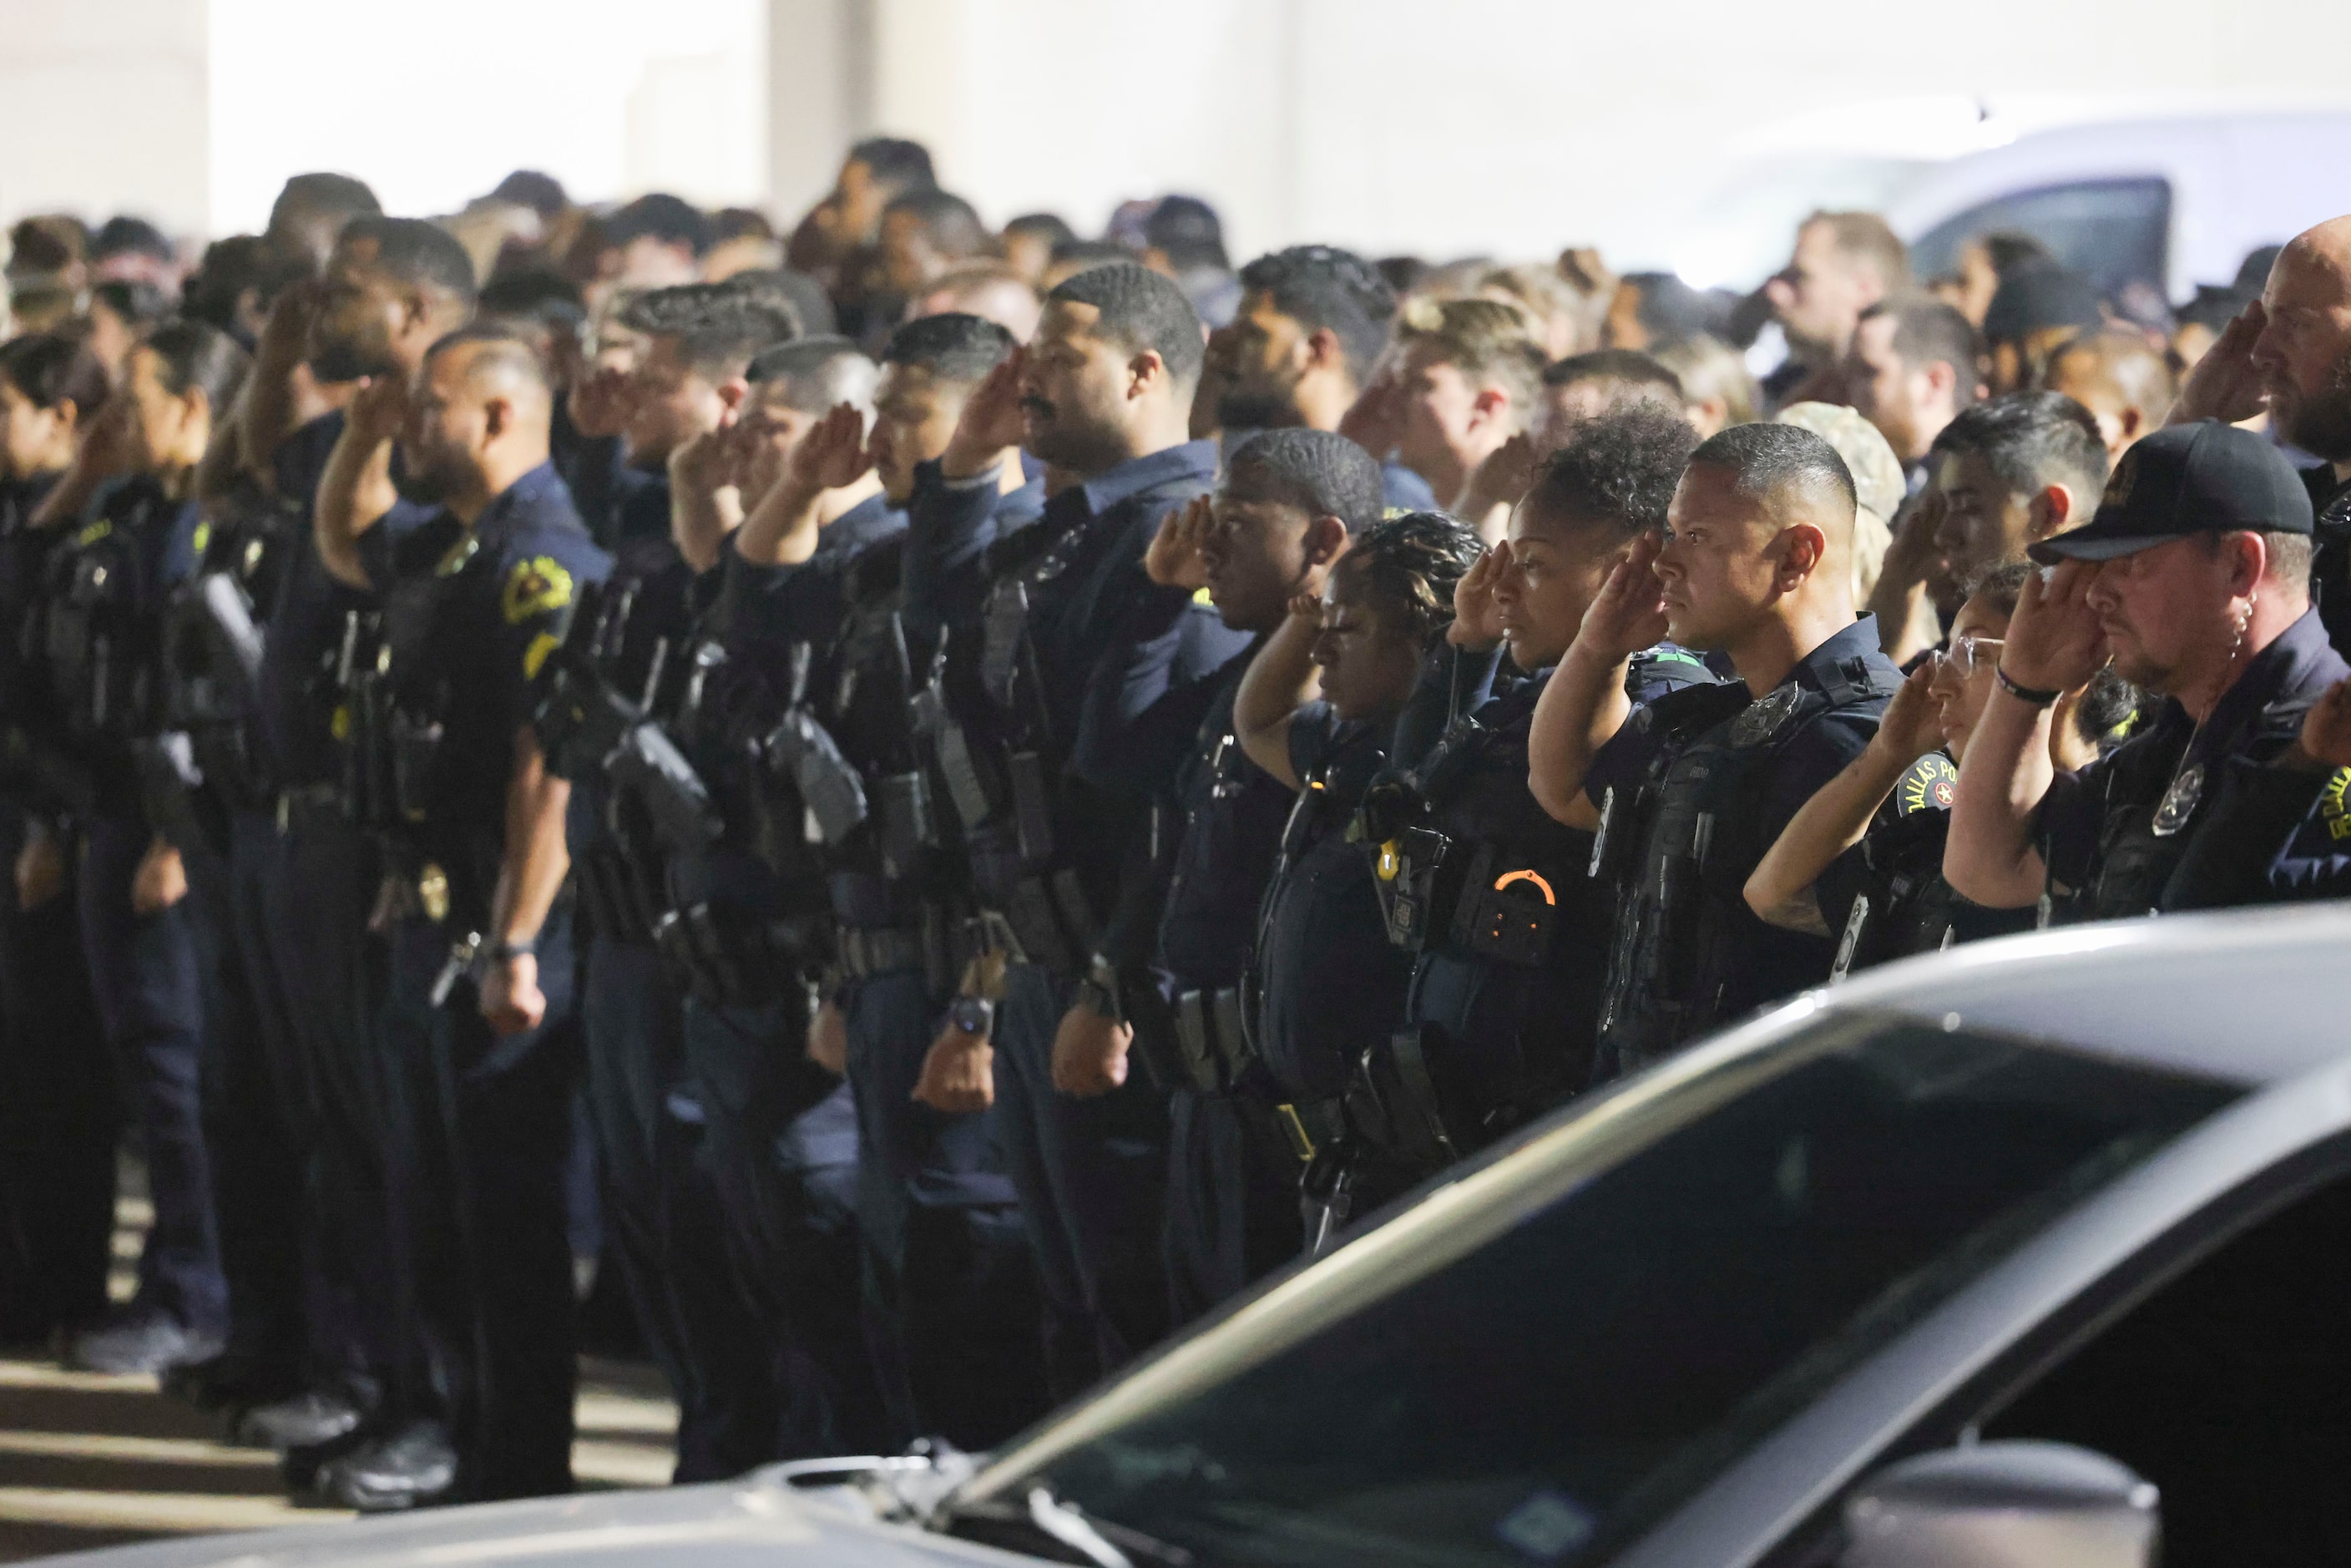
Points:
(89, 1461)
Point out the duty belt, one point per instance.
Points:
(1211, 1038)
(867, 952)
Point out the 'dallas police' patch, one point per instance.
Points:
(1931, 785)
(535, 587)
(2333, 809)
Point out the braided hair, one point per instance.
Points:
(1406, 566)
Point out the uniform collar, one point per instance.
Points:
(2300, 663)
(1822, 670)
(870, 520)
(526, 494)
(1190, 460)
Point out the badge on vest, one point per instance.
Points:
(1759, 720)
(2180, 801)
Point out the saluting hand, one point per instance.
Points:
(599, 404)
(380, 409)
(1477, 619)
(1375, 420)
(832, 454)
(1174, 559)
(1628, 614)
(991, 421)
(1912, 723)
(2226, 384)
(2055, 643)
(1502, 477)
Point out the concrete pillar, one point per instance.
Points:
(821, 78)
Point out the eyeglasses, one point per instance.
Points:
(1970, 652)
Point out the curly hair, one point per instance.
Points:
(1618, 468)
(1406, 566)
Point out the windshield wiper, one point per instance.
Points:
(1040, 1518)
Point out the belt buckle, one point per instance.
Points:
(1300, 1144)
(432, 892)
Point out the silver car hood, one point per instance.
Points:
(752, 1523)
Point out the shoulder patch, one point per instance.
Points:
(2333, 809)
(533, 588)
(534, 658)
(1931, 785)
(1201, 597)
(92, 534)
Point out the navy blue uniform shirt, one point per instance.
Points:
(510, 584)
(1768, 962)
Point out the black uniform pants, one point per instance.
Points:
(330, 970)
(1233, 1210)
(1092, 1175)
(950, 1282)
(481, 1126)
(147, 972)
(56, 1117)
(781, 1151)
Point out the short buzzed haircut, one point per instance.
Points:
(333, 198)
(658, 215)
(952, 225)
(1140, 309)
(1321, 472)
(2031, 439)
(1625, 367)
(1617, 468)
(815, 374)
(952, 346)
(502, 348)
(1927, 331)
(789, 292)
(1486, 339)
(2134, 368)
(717, 330)
(1867, 239)
(1774, 463)
(1321, 288)
(896, 162)
(417, 255)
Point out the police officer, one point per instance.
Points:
(2193, 578)
(1287, 505)
(689, 378)
(1072, 649)
(56, 1115)
(2283, 356)
(1488, 893)
(389, 289)
(153, 949)
(1313, 322)
(760, 712)
(1688, 791)
(1325, 980)
(1864, 858)
(948, 1286)
(479, 1037)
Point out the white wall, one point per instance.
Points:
(102, 109)
(1514, 126)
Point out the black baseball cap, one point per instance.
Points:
(2200, 478)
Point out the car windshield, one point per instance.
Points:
(1544, 1387)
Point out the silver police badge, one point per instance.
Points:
(2180, 801)
(1759, 720)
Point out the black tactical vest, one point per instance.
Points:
(1690, 840)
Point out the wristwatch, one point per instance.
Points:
(509, 950)
(973, 1014)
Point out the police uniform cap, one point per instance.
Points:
(2204, 477)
